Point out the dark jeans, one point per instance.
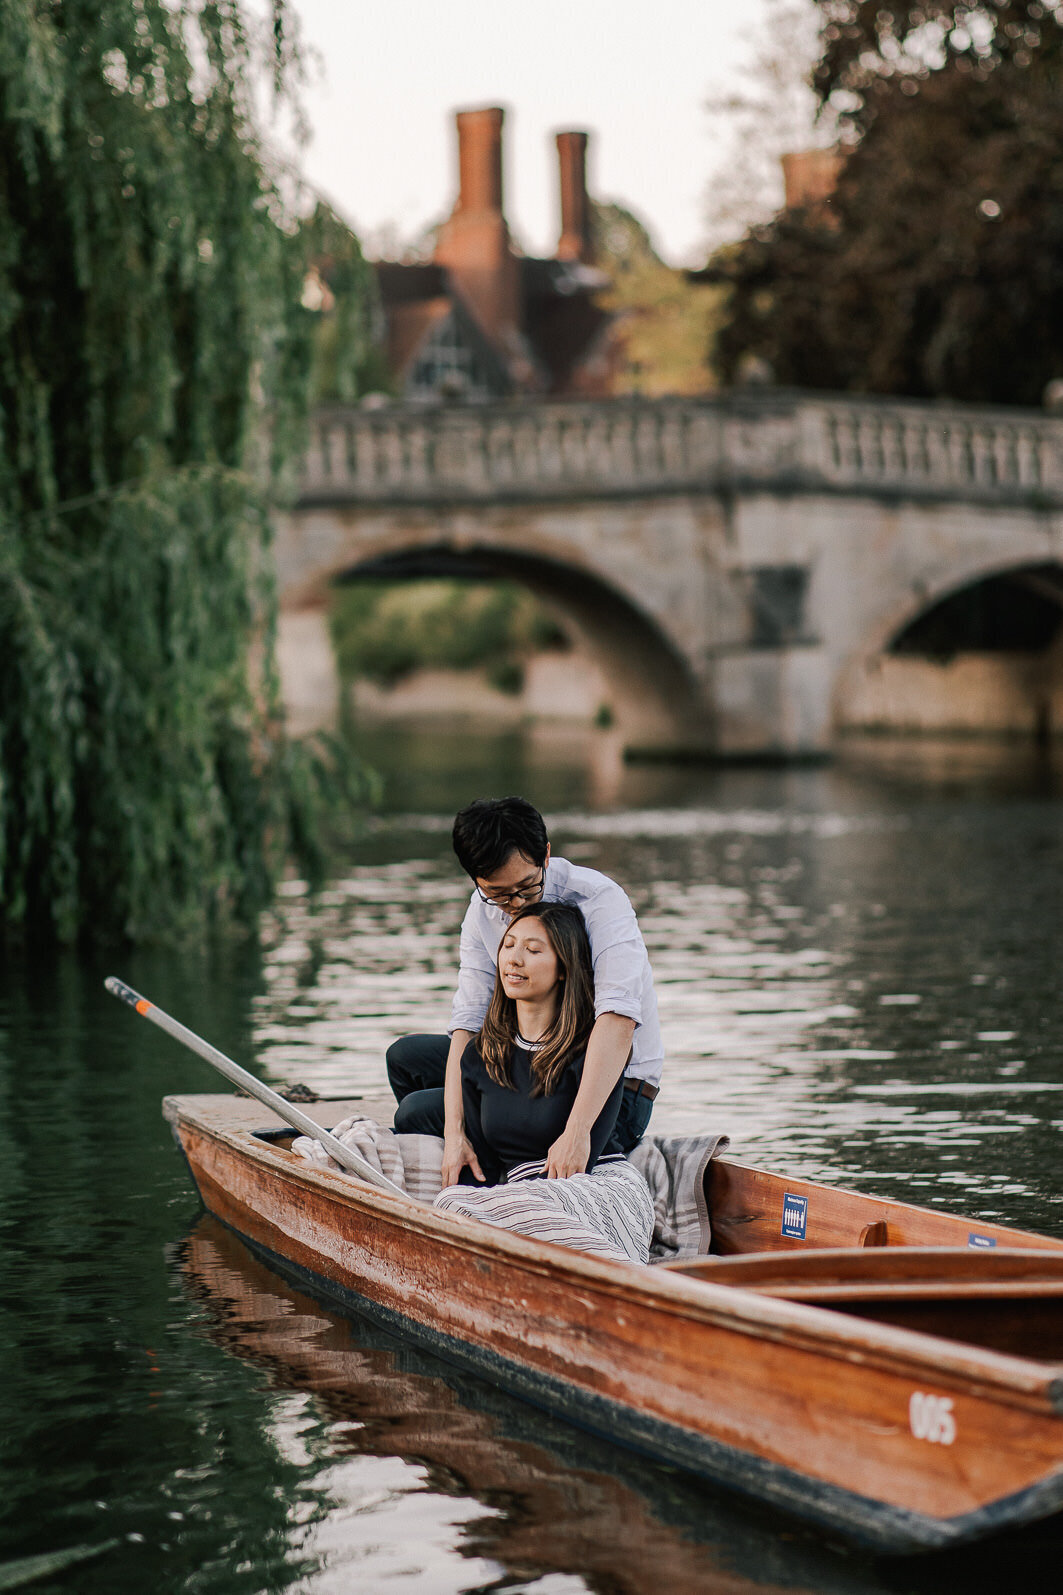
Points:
(417, 1066)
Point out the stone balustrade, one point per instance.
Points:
(624, 447)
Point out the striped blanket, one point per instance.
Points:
(607, 1212)
(648, 1207)
(674, 1168)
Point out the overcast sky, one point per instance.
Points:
(634, 73)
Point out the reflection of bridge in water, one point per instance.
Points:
(756, 573)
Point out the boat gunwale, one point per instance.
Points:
(980, 1372)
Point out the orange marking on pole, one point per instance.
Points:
(143, 1005)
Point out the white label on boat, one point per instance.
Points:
(931, 1418)
(977, 1241)
(794, 1216)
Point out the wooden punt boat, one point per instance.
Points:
(885, 1371)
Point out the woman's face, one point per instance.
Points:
(527, 964)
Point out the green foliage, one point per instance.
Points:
(936, 271)
(149, 297)
(385, 630)
(340, 292)
(666, 320)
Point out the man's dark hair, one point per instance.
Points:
(488, 831)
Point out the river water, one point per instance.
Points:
(858, 972)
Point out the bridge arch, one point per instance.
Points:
(981, 652)
(654, 695)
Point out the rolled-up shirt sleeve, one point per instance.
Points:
(620, 960)
(476, 975)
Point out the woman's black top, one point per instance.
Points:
(511, 1127)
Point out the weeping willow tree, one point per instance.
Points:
(349, 358)
(154, 356)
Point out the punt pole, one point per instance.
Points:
(344, 1156)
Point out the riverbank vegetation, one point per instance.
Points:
(933, 270)
(155, 356)
(384, 631)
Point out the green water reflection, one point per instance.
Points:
(859, 976)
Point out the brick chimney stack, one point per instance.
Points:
(474, 244)
(576, 241)
(480, 159)
(810, 177)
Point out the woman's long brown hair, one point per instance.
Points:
(567, 935)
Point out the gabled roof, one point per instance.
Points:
(409, 323)
(401, 281)
(412, 322)
(561, 320)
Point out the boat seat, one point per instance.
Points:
(833, 1275)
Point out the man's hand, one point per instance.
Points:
(570, 1153)
(608, 1050)
(457, 1152)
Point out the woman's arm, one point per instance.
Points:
(458, 1150)
(483, 1162)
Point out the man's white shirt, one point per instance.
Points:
(623, 981)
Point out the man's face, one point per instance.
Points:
(516, 882)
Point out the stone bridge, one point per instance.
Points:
(756, 573)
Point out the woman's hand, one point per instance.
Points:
(457, 1152)
(570, 1153)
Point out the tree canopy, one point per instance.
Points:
(934, 270)
(154, 358)
(665, 320)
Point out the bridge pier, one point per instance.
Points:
(306, 664)
(773, 703)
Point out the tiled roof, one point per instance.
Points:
(408, 325)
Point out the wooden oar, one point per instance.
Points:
(344, 1156)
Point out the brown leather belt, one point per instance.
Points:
(642, 1088)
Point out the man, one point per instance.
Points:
(502, 845)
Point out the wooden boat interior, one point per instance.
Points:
(983, 1284)
(979, 1283)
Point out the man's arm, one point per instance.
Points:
(608, 1050)
(619, 957)
(457, 1148)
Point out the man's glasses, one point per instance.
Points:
(519, 894)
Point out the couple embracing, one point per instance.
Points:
(553, 1060)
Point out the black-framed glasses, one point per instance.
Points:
(519, 894)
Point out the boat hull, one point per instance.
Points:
(896, 1439)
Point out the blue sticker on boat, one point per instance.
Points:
(980, 1240)
(794, 1216)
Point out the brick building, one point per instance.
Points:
(480, 320)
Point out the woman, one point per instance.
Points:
(520, 1077)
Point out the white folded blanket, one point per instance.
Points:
(412, 1162)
